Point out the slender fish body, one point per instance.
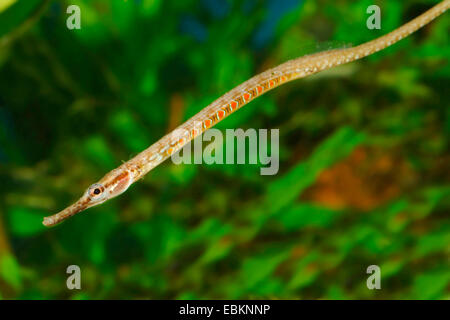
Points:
(119, 179)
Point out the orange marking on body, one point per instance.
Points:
(246, 96)
(194, 132)
(233, 105)
(259, 88)
(208, 123)
(271, 83)
(220, 114)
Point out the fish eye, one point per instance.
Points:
(95, 191)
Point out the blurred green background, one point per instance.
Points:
(364, 152)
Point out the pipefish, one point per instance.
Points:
(118, 180)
